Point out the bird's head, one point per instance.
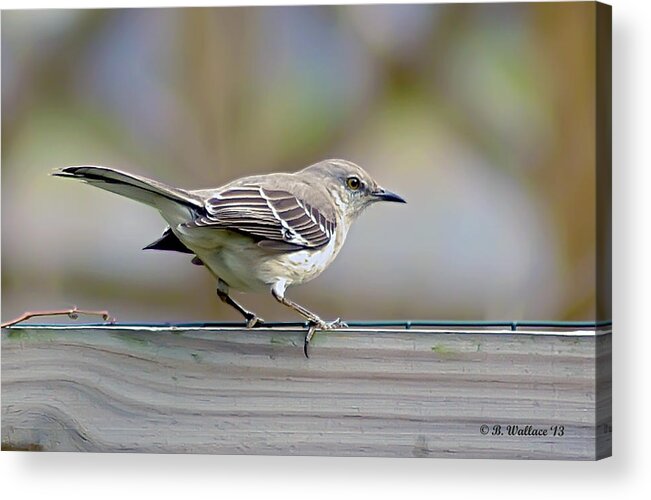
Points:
(351, 187)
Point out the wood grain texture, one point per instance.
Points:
(399, 393)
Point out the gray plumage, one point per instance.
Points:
(257, 233)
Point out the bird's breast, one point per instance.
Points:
(304, 265)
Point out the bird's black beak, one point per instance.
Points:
(382, 194)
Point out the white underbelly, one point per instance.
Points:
(244, 266)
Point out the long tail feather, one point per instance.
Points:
(148, 191)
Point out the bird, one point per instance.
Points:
(259, 233)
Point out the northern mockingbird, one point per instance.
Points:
(259, 233)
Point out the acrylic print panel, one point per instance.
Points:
(477, 314)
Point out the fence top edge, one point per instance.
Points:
(536, 328)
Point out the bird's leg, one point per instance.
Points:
(278, 291)
(222, 292)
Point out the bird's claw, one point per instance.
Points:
(253, 321)
(328, 325)
(313, 326)
(338, 323)
(308, 336)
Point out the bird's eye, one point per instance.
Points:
(353, 183)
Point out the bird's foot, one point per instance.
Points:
(328, 325)
(253, 321)
(338, 323)
(313, 326)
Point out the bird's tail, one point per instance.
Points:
(147, 191)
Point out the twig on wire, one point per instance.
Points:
(71, 313)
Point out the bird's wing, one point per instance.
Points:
(277, 218)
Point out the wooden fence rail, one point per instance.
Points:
(536, 393)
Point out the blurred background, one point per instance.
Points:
(481, 116)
